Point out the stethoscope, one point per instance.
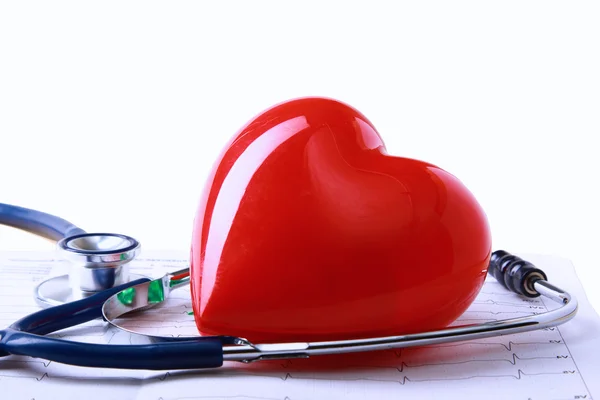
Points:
(101, 286)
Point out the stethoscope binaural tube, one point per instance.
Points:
(37, 222)
(99, 260)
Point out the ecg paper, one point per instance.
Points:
(555, 363)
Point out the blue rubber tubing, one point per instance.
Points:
(37, 222)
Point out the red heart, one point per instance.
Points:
(308, 230)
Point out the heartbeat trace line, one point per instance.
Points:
(46, 364)
(508, 303)
(402, 381)
(505, 293)
(498, 312)
(512, 360)
(508, 347)
(48, 376)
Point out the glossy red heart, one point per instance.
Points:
(309, 230)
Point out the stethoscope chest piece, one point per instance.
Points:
(99, 261)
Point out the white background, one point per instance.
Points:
(112, 113)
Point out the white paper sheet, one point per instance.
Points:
(556, 363)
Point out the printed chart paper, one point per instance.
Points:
(554, 363)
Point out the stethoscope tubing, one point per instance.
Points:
(37, 222)
(26, 337)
